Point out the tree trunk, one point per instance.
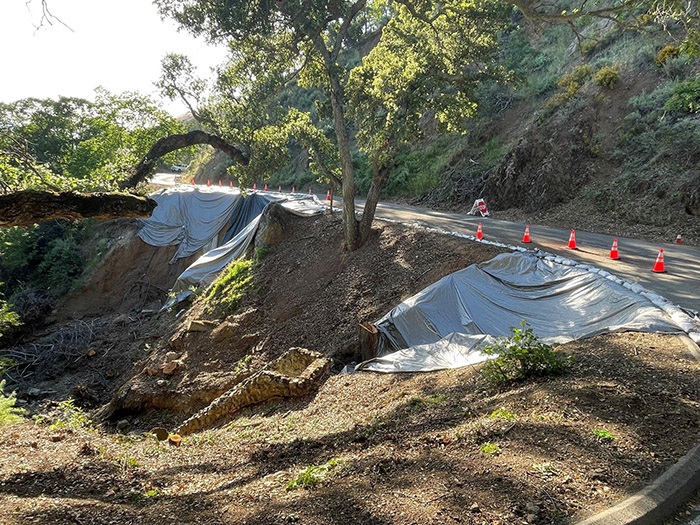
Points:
(24, 208)
(380, 174)
(174, 142)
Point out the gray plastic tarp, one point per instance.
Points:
(434, 329)
(190, 216)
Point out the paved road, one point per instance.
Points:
(680, 283)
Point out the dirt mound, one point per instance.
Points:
(309, 293)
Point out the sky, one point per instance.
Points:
(116, 44)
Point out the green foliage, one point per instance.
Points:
(502, 413)
(521, 356)
(426, 401)
(665, 53)
(8, 412)
(8, 319)
(685, 96)
(243, 365)
(313, 475)
(490, 449)
(228, 290)
(607, 76)
(604, 434)
(70, 416)
(569, 86)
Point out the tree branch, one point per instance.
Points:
(175, 142)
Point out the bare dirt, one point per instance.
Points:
(408, 449)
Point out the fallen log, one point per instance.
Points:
(24, 208)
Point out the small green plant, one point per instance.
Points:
(607, 76)
(8, 412)
(229, 289)
(685, 97)
(312, 475)
(502, 413)
(546, 468)
(261, 253)
(666, 53)
(521, 356)
(243, 365)
(490, 449)
(71, 416)
(420, 401)
(604, 434)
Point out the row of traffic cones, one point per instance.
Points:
(279, 188)
(659, 266)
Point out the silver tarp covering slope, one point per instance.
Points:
(189, 216)
(443, 325)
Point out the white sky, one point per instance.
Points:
(115, 44)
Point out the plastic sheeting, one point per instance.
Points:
(435, 328)
(190, 216)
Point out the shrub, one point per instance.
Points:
(569, 86)
(490, 449)
(521, 356)
(228, 290)
(685, 97)
(71, 416)
(312, 475)
(8, 412)
(666, 53)
(607, 76)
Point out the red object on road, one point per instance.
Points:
(255, 187)
(208, 182)
(279, 189)
(678, 239)
(219, 182)
(265, 187)
(230, 184)
(572, 240)
(294, 190)
(526, 235)
(328, 195)
(659, 266)
(479, 233)
(614, 254)
(309, 190)
(192, 182)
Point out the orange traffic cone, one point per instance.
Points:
(219, 182)
(678, 239)
(479, 233)
(526, 235)
(659, 264)
(192, 182)
(572, 240)
(309, 190)
(614, 254)
(230, 184)
(255, 187)
(265, 187)
(294, 190)
(328, 195)
(208, 182)
(279, 189)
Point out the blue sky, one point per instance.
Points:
(114, 44)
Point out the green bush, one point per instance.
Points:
(685, 97)
(521, 356)
(312, 476)
(666, 53)
(607, 76)
(8, 412)
(569, 86)
(227, 291)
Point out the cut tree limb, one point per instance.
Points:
(179, 141)
(24, 208)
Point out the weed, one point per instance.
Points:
(243, 365)
(8, 412)
(261, 253)
(604, 434)
(312, 475)
(418, 401)
(71, 416)
(666, 53)
(490, 449)
(521, 356)
(229, 289)
(607, 76)
(502, 413)
(546, 468)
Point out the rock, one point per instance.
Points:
(161, 382)
(177, 340)
(169, 368)
(200, 325)
(91, 353)
(34, 392)
(160, 433)
(122, 424)
(151, 371)
(175, 440)
(172, 356)
(475, 508)
(272, 225)
(55, 438)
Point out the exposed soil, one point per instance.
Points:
(308, 293)
(409, 450)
